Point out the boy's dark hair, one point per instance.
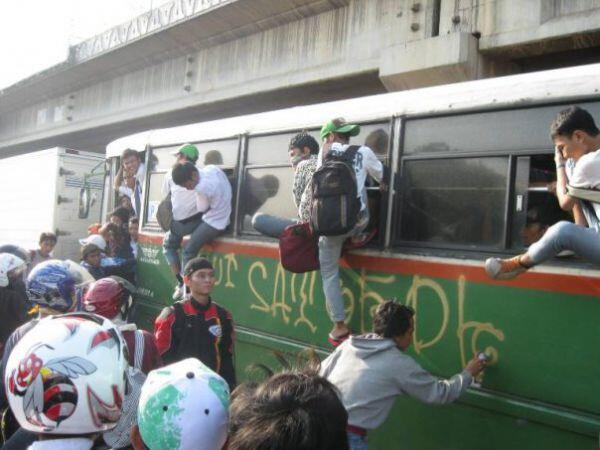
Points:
(304, 139)
(182, 173)
(134, 220)
(392, 319)
(122, 213)
(571, 119)
(291, 411)
(48, 236)
(197, 263)
(130, 152)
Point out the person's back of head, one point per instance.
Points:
(289, 411)
(572, 119)
(182, 173)
(392, 319)
(304, 140)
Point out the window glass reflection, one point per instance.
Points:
(269, 191)
(521, 129)
(154, 196)
(272, 149)
(455, 201)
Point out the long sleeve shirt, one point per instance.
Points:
(370, 372)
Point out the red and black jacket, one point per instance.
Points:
(191, 330)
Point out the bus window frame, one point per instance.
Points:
(252, 233)
(380, 243)
(396, 245)
(153, 226)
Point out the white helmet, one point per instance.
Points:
(95, 239)
(184, 406)
(9, 265)
(67, 375)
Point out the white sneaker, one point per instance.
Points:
(178, 292)
(504, 269)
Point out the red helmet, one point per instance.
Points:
(107, 297)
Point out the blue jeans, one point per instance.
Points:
(200, 233)
(356, 442)
(271, 225)
(330, 250)
(564, 235)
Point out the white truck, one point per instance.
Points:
(58, 190)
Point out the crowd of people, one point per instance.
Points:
(77, 373)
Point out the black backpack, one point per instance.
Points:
(335, 203)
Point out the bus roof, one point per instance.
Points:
(569, 84)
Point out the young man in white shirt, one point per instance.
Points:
(577, 156)
(130, 178)
(336, 136)
(188, 207)
(211, 183)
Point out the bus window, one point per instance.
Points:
(268, 190)
(154, 197)
(455, 201)
(268, 178)
(536, 206)
(222, 153)
(376, 137)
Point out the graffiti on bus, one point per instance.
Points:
(294, 300)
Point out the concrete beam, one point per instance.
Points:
(443, 59)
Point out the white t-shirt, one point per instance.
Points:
(585, 173)
(186, 203)
(215, 186)
(365, 163)
(139, 182)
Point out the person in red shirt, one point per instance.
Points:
(197, 327)
(111, 297)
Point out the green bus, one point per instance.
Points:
(470, 161)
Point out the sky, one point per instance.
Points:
(36, 34)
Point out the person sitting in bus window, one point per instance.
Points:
(336, 137)
(577, 156)
(130, 178)
(209, 183)
(47, 242)
(134, 233)
(302, 152)
(290, 410)
(371, 370)
(187, 209)
(197, 327)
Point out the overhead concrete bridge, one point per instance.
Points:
(192, 60)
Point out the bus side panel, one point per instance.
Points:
(415, 426)
(543, 343)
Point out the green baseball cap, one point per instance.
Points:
(188, 150)
(339, 126)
